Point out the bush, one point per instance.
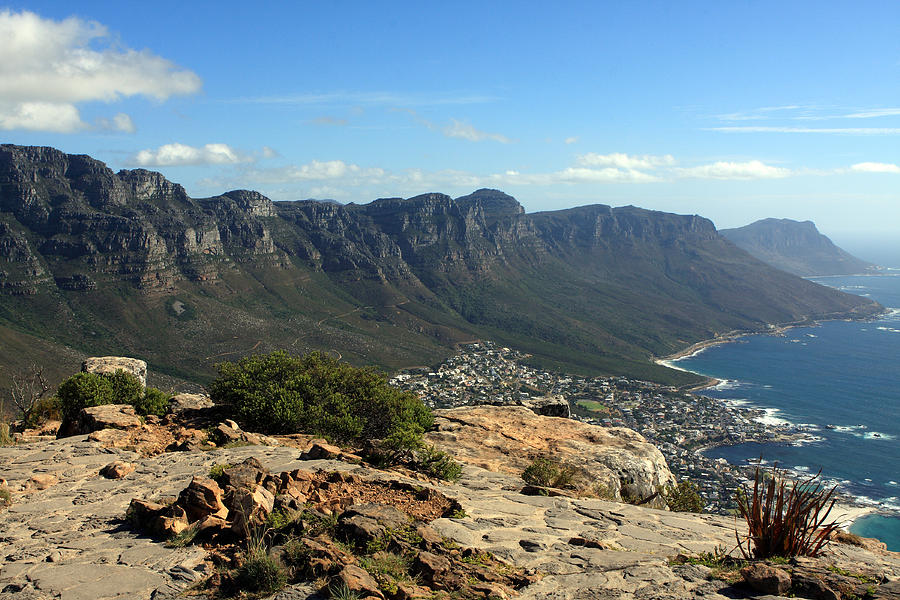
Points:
(316, 394)
(683, 497)
(153, 402)
(83, 390)
(785, 521)
(547, 472)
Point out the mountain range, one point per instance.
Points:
(796, 247)
(99, 262)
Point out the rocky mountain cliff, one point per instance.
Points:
(107, 262)
(796, 247)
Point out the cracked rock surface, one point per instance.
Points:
(70, 541)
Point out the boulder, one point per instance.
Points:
(359, 581)
(432, 567)
(40, 481)
(190, 402)
(114, 416)
(508, 438)
(250, 507)
(117, 469)
(107, 365)
(549, 406)
(247, 474)
(203, 498)
(320, 449)
(766, 579)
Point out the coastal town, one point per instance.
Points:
(680, 424)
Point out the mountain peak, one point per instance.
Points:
(794, 246)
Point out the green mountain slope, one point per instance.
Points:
(127, 263)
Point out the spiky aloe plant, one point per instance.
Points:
(785, 518)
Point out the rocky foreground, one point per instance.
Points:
(65, 534)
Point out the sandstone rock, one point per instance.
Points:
(508, 438)
(250, 507)
(359, 581)
(766, 579)
(320, 449)
(40, 481)
(548, 406)
(142, 512)
(107, 365)
(203, 498)
(224, 434)
(186, 402)
(215, 529)
(117, 469)
(115, 416)
(431, 566)
(247, 474)
(171, 523)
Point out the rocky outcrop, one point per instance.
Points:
(107, 365)
(619, 462)
(69, 540)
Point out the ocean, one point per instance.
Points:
(841, 381)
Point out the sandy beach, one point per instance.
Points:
(846, 514)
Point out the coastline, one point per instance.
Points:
(847, 514)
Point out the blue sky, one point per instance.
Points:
(732, 110)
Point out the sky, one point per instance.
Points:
(734, 110)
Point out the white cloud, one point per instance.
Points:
(370, 98)
(834, 130)
(49, 67)
(624, 161)
(571, 140)
(119, 122)
(180, 154)
(40, 116)
(873, 113)
(875, 167)
(462, 130)
(753, 169)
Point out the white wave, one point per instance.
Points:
(892, 482)
(810, 439)
(769, 418)
(801, 468)
(876, 435)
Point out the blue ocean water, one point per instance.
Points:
(840, 379)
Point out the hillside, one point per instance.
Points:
(796, 247)
(127, 263)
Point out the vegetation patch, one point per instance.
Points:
(683, 497)
(785, 518)
(84, 390)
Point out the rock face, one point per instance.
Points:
(580, 285)
(508, 439)
(796, 247)
(107, 365)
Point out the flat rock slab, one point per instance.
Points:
(69, 541)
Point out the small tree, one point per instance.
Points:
(28, 387)
(683, 497)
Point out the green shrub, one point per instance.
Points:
(547, 472)
(83, 390)
(683, 497)
(314, 393)
(126, 388)
(152, 402)
(438, 464)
